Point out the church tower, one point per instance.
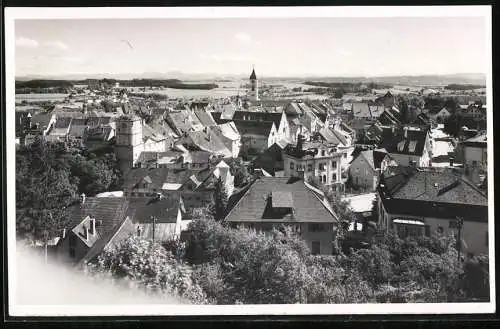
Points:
(128, 140)
(254, 86)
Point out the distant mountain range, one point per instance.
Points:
(460, 78)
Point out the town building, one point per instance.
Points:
(315, 160)
(366, 168)
(474, 154)
(273, 201)
(409, 146)
(133, 137)
(254, 87)
(427, 201)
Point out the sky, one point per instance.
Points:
(277, 47)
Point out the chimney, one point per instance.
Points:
(92, 226)
(86, 232)
(300, 142)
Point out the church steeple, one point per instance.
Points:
(254, 85)
(253, 76)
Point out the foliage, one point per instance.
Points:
(475, 281)
(455, 86)
(152, 267)
(219, 200)
(240, 172)
(50, 175)
(453, 124)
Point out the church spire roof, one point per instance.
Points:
(253, 76)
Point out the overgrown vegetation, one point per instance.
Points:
(223, 265)
(49, 176)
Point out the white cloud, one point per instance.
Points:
(56, 44)
(25, 42)
(242, 37)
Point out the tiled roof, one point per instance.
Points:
(209, 141)
(108, 212)
(479, 140)
(413, 144)
(433, 185)
(141, 210)
(205, 118)
(256, 205)
(229, 130)
(331, 137)
(361, 110)
(159, 176)
(258, 116)
(182, 121)
(62, 122)
(246, 127)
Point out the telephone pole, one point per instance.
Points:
(154, 219)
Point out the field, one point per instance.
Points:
(40, 97)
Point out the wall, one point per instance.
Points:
(475, 154)
(325, 238)
(63, 249)
(362, 173)
(316, 172)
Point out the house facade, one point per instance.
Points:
(319, 161)
(271, 202)
(366, 167)
(428, 202)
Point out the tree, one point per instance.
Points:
(240, 172)
(219, 200)
(453, 124)
(150, 266)
(404, 111)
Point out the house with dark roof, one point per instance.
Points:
(365, 169)
(94, 224)
(270, 202)
(408, 146)
(413, 202)
(162, 219)
(271, 160)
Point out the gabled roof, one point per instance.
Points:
(258, 116)
(205, 117)
(246, 127)
(432, 192)
(480, 140)
(209, 141)
(374, 157)
(331, 136)
(229, 130)
(413, 144)
(159, 176)
(256, 205)
(108, 212)
(141, 209)
(182, 121)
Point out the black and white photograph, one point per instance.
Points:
(253, 161)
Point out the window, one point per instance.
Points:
(324, 178)
(427, 230)
(405, 231)
(323, 153)
(316, 247)
(334, 164)
(334, 177)
(292, 165)
(316, 227)
(309, 167)
(440, 230)
(321, 166)
(345, 155)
